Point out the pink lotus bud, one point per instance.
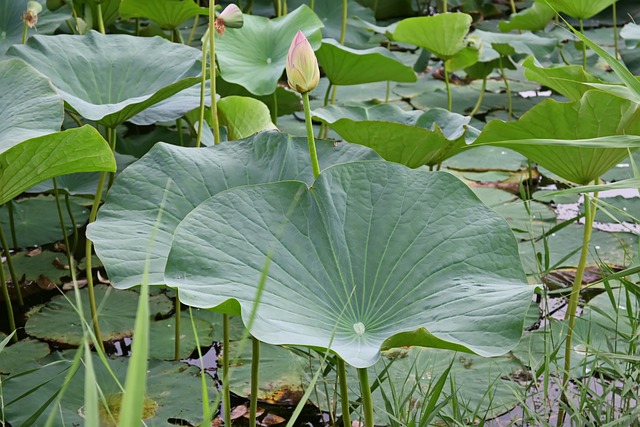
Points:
(231, 17)
(303, 73)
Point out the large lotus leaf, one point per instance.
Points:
(371, 251)
(580, 9)
(254, 56)
(282, 102)
(411, 138)
(533, 18)
(174, 107)
(631, 34)
(167, 13)
(346, 66)
(169, 405)
(58, 320)
(88, 9)
(38, 159)
(127, 220)
(441, 34)
(110, 79)
(567, 80)
(29, 105)
(12, 25)
(496, 44)
(36, 220)
(244, 116)
(579, 141)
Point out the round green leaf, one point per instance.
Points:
(58, 320)
(579, 141)
(441, 34)
(14, 357)
(495, 45)
(244, 116)
(167, 13)
(533, 18)
(580, 9)
(371, 252)
(173, 405)
(346, 66)
(110, 79)
(162, 336)
(189, 176)
(567, 80)
(254, 56)
(413, 138)
(39, 110)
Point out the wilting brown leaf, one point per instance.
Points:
(239, 411)
(45, 283)
(285, 396)
(34, 252)
(272, 419)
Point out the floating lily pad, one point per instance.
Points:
(40, 110)
(14, 357)
(162, 336)
(254, 56)
(36, 220)
(411, 138)
(47, 264)
(59, 322)
(374, 237)
(128, 218)
(487, 158)
(579, 141)
(168, 404)
(618, 209)
(132, 75)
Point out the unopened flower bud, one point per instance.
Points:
(231, 17)
(303, 73)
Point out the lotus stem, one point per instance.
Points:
(193, 30)
(508, 87)
(14, 277)
(584, 47)
(7, 300)
(137, 21)
(25, 27)
(276, 6)
(212, 75)
(483, 90)
(343, 33)
(100, 19)
(323, 126)
(61, 219)
(448, 85)
(226, 389)
(312, 4)
(310, 139)
(12, 225)
(176, 338)
(203, 81)
(344, 393)
(255, 366)
(570, 315)
(248, 7)
(284, 8)
(367, 400)
(274, 112)
(176, 36)
(513, 6)
(615, 31)
(444, 6)
(67, 203)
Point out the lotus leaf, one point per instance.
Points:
(495, 45)
(13, 358)
(168, 13)
(254, 56)
(580, 9)
(110, 79)
(412, 138)
(346, 66)
(442, 34)
(533, 18)
(127, 219)
(370, 252)
(579, 141)
(567, 80)
(244, 116)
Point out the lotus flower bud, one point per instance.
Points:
(303, 73)
(30, 16)
(231, 17)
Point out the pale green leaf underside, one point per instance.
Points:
(111, 78)
(244, 116)
(38, 159)
(441, 34)
(580, 9)
(126, 221)
(370, 251)
(167, 13)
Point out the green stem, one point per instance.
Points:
(24, 32)
(367, 400)
(212, 76)
(179, 127)
(203, 81)
(137, 20)
(7, 300)
(100, 19)
(312, 4)
(176, 344)
(248, 7)
(176, 36)
(615, 30)
(575, 295)
(446, 82)
(584, 47)
(508, 86)
(61, 219)
(323, 126)
(274, 113)
(276, 6)
(12, 225)
(255, 366)
(284, 8)
(193, 30)
(345, 16)
(67, 203)
(14, 277)
(344, 393)
(483, 90)
(226, 389)
(310, 139)
(513, 6)
(444, 6)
